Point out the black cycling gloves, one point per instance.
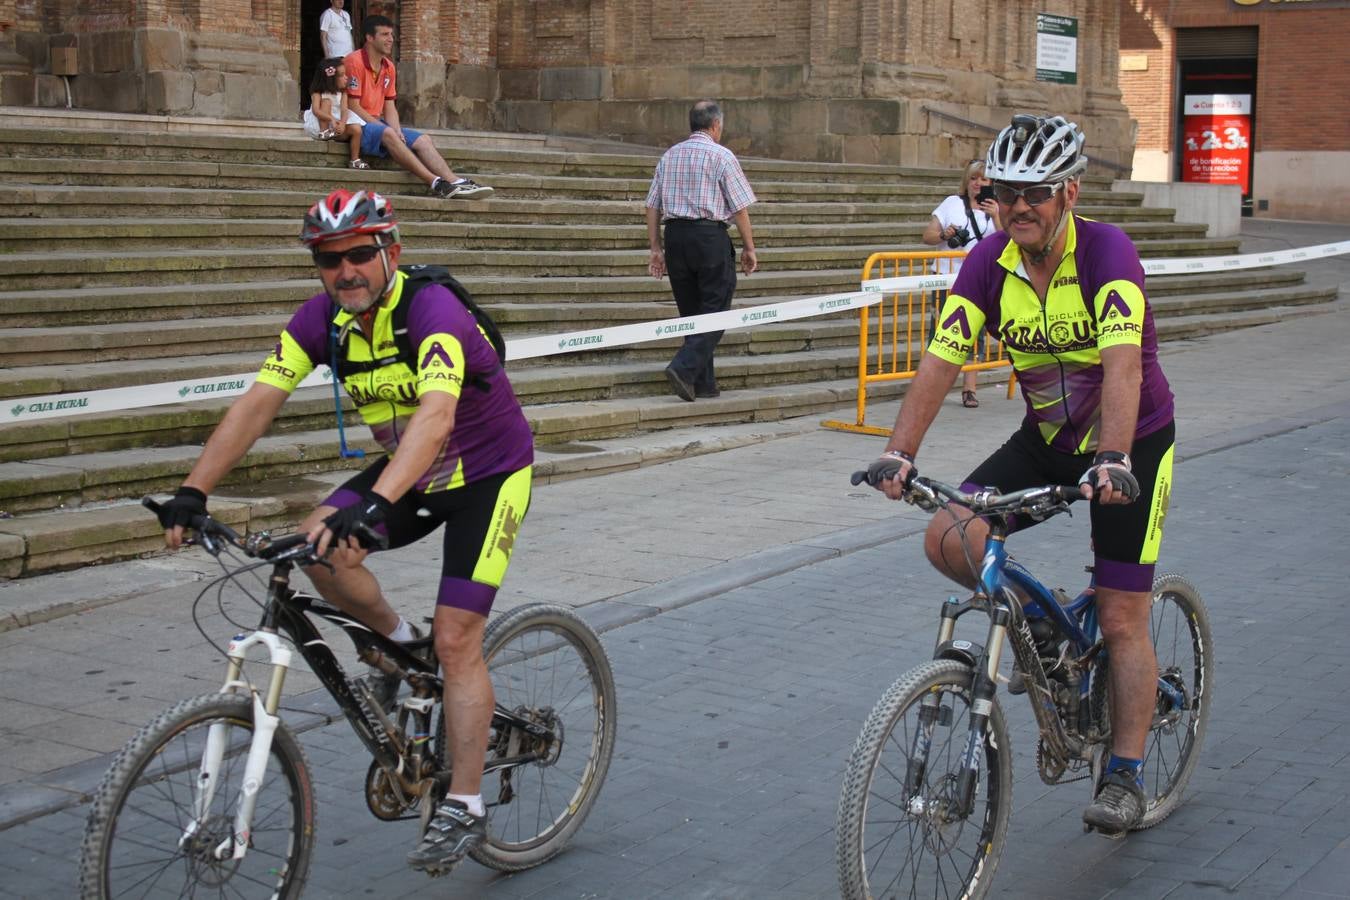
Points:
(186, 504)
(887, 466)
(1116, 466)
(361, 520)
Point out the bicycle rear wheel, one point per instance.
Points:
(1179, 627)
(144, 839)
(901, 840)
(547, 665)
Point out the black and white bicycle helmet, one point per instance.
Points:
(1037, 149)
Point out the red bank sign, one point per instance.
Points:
(1217, 138)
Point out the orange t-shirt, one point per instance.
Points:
(368, 87)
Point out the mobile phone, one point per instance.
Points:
(986, 193)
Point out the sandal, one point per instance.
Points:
(359, 164)
(968, 400)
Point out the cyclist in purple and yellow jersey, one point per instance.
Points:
(458, 452)
(1066, 297)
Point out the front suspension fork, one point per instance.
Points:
(265, 724)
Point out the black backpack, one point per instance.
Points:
(417, 278)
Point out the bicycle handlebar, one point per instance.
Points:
(930, 494)
(212, 533)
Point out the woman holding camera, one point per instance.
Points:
(959, 222)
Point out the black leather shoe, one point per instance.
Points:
(682, 389)
(707, 393)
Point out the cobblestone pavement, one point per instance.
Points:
(737, 714)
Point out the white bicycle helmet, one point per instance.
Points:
(1038, 150)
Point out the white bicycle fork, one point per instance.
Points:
(265, 722)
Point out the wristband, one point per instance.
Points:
(1112, 456)
(899, 454)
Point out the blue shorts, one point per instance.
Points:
(372, 135)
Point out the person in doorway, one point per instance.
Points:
(697, 189)
(335, 31)
(960, 222)
(328, 118)
(1066, 296)
(457, 455)
(371, 92)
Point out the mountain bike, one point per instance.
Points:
(215, 795)
(927, 793)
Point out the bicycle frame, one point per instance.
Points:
(287, 611)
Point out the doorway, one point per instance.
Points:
(311, 48)
(1216, 122)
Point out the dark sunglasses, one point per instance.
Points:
(1035, 195)
(357, 256)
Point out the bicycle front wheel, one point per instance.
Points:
(548, 666)
(899, 834)
(146, 837)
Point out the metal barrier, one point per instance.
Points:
(902, 316)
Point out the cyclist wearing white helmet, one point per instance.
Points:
(1066, 297)
(459, 452)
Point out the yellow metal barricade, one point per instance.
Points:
(892, 334)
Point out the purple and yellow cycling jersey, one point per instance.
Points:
(1095, 300)
(490, 434)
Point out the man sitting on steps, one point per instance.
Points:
(370, 89)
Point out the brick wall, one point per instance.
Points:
(1303, 70)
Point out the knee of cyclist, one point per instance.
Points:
(1118, 624)
(455, 648)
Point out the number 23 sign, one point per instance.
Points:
(1216, 139)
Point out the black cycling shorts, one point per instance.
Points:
(1125, 539)
(481, 520)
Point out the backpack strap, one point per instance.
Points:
(418, 277)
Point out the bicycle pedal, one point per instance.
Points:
(438, 871)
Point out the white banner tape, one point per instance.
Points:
(29, 409)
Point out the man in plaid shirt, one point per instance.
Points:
(697, 188)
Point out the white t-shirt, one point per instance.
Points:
(335, 31)
(953, 212)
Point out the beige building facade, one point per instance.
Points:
(912, 82)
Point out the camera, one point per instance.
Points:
(960, 239)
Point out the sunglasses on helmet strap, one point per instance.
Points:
(357, 256)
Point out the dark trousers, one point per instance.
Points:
(702, 266)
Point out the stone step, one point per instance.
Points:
(57, 270)
(318, 181)
(102, 305)
(465, 152)
(58, 345)
(131, 204)
(626, 371)
(72, 536)
(177, 338)
(17, 235)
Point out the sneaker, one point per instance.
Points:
(385, 685)
(470, 190)
(1118, 807)
(464, 190)
(451, 834)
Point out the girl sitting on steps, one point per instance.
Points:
(328, 117)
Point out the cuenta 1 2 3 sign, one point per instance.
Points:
(1216, 139)
(1056, 48)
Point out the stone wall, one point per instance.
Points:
(840, 80)
(834, 80)
(164, 57)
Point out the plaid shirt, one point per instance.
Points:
(698, 178)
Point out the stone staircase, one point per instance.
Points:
(136, 255)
